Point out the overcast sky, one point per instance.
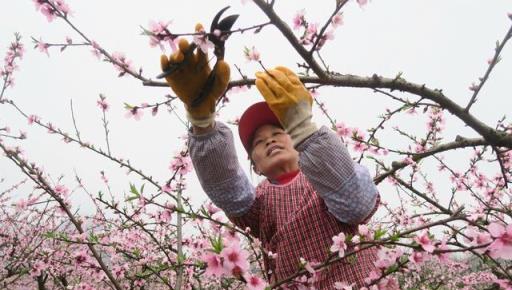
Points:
(443, 44)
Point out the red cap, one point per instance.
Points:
(254, 117)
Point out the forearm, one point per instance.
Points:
(345, 186)
(214, 158)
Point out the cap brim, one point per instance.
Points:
(254, 117)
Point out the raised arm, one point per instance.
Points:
(346, 187)
(211, 143)
(214, 158)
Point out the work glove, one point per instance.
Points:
(189, 80)
(290, 101)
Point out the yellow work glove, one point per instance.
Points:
(290, 101)
(188, 81)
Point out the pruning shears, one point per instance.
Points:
(219, 33)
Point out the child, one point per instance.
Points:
(313, 190)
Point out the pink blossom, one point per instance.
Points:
(61, 190)
(342, 129)
(159, 33)
(443, 257)
(46, 9)
(81, 257)
(251, 54)
(424, 241)
(37, 268)
(235, 259)
(477, 238)
(339, 245)
(254, 282)
(363, 230)
(96, 50)
(337, 20)
(388, 283)
(343, 286)
(417, 257)
(312, 29)
(362, 2)
(62, 6)
(102, 103)
(121, 63)
(181, 163)
(298, 19)
(168, 188)
(202, 41)
(212, 208)
(359, 147)
(134, 112)
(387, 257)
(43, 47)
(501, 247)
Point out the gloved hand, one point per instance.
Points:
(290, 101)
(188, 81)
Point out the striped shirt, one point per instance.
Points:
(331, 194)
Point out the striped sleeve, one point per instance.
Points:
(345, 186)
(216, 164)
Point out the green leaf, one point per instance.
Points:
(216, 243)
(133, 189)
(93, 238)
(135, 192)
(379, 233)
(50, 235)
(395, 237)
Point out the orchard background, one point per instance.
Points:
(97, 191)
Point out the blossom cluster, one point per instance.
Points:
(52, 8)
(14, 52)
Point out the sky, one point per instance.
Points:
(443, 44)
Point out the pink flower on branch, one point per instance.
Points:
(254, 282)
(339, 246)
(61, 190)
(52, 8)
(501, 247)
(96, 49)
(343, 130)
(201, 39)
(159, 33)
(424, 241)
(298, 19)
(121, 63)
(251, 54)
(42, 46)
(477, 238)
(343, 286)
(235, 259)
(181, 162)
(134, 112)
(362, 2)
(213, 265)
(102, 103)
(32, 119)
(337, 20)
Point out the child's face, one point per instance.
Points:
(272, 152)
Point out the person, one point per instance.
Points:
(313, 189)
